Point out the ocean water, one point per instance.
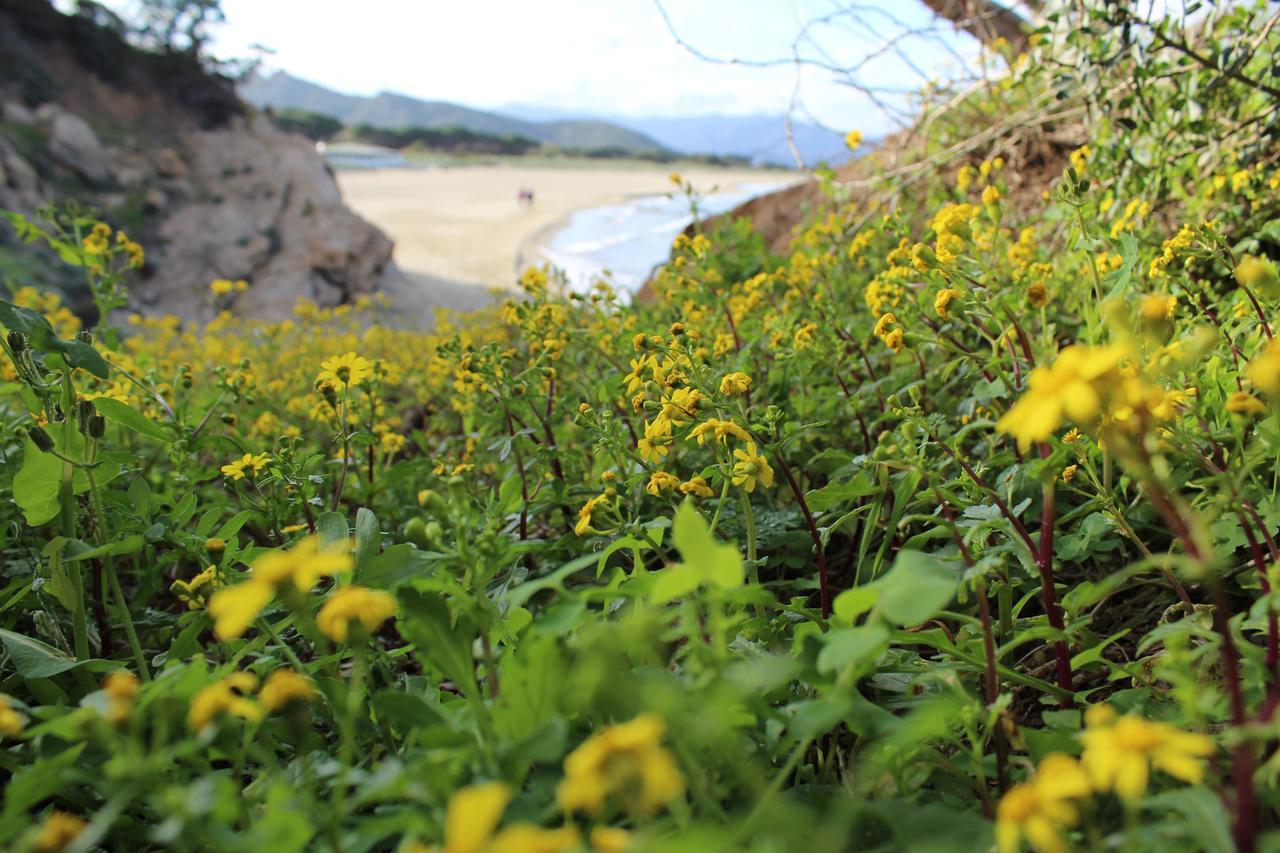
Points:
(624, 242)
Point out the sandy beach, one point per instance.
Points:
(463, 223)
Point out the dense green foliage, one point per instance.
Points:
(954, 527)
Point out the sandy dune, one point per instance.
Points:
(463, 223)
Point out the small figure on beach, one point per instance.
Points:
(525, 196)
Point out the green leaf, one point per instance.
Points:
(847, 646)
(42, 337)
(705, 561)
(128, 545)
(140, 498)
(130, 418)
(332, 528)
(34, 659)
(835, 494)
(368, 538)
(852, 603)
(915, 588)
(392, 567)
(232, 525)
(406, 711)
(439, 639)
(35, 782)
(35, 487)
(60, 584)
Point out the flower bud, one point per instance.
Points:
(85, 336)
(97, 426)
(84, 411)
(18, 342)
(41, 439)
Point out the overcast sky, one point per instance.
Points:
(591, 56)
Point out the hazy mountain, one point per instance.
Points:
(761, 138)
(389, 110)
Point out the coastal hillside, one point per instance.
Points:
(390, 110)
(168, 153)
(931, 504)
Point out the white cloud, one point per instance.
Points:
(604, 56)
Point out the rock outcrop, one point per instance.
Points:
(211, 189)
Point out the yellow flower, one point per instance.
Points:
(1040, 809)
(234, 608)
(734, 384)
(1119, 753)
(1064, 390)
(229, 696)
(215, 545)
(751, 468)
(1037, 295)
(990, 196)
(121, 688)
(656, 442)
(943, 300)
(894, 340)
(661, 481)
(1259, 274)
(804, 336)
(284, 686)
(626, 759)
(369, 607)
(853, 139)
(527, 838)
(347, 370)
(696, 486)
(882, 325)
(609, 839)
(95, 244)
(1155, 307)
(247, 464)
(57, 832)
(1244, 403)
(11, 722)
(1069, 472)
(583, 527)
(221, 286)
(473, 815)
(195, 592)
(1264, 369)
(719, 430)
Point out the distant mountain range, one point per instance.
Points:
(760, 138)
(389, 110)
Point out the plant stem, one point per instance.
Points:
(67, 500)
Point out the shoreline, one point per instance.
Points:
(462, 223)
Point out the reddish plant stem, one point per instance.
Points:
(1042, 554)
(866, 436)
(1049, 596)
(1245, 823)
(990, 682)
(1245, 826)
(1273, 627)
(1018, 526)
(824, 592)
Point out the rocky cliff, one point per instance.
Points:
(166, 152)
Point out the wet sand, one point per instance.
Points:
(463, 223)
